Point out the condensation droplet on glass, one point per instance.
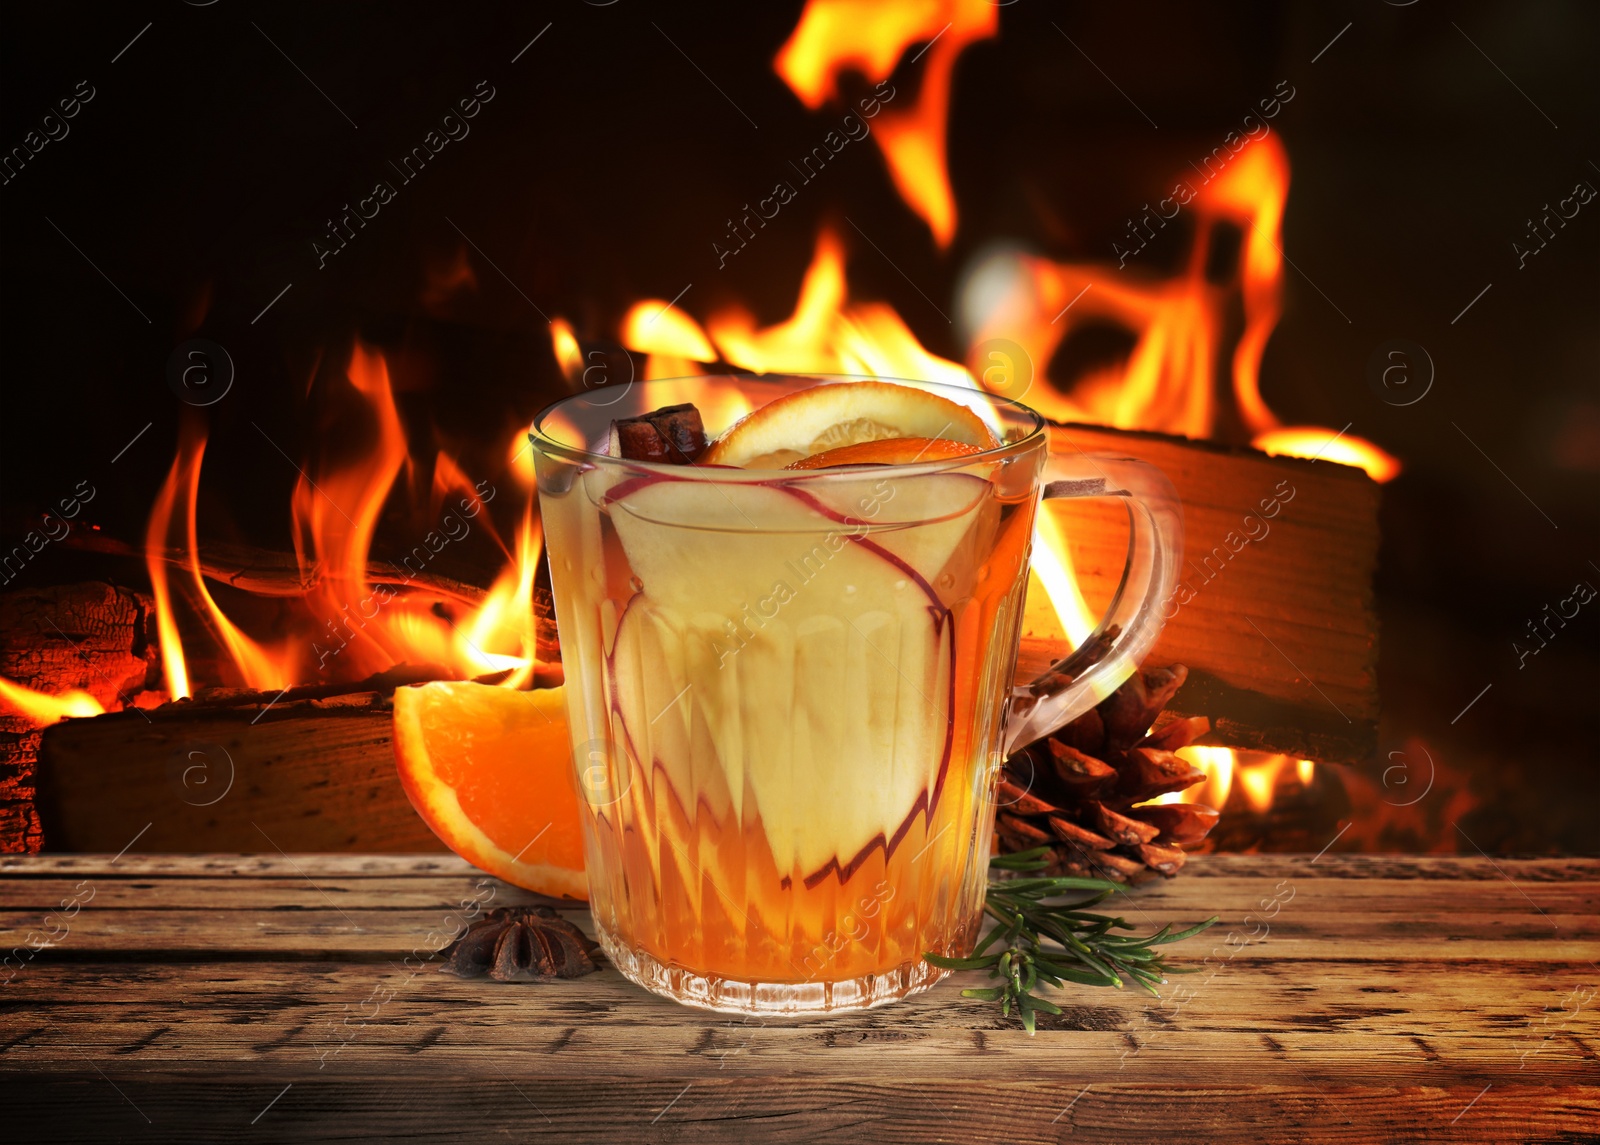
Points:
(849, 590)
(636, 584)
(900, 585)
(948, 580)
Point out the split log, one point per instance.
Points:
(1274, 617)
(223, 775)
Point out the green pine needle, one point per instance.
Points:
(1036, 941)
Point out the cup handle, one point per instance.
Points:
(1155, 548)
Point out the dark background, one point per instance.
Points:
(206, 164)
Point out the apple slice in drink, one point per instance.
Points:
(777, 652)
(940, 524)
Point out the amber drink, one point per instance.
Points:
(787, 693)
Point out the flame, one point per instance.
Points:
(1168, 381)
(870, 36)
(449, 477)
(174, 667)
(1218, 764)
(827, 333)
(357, 620)
(261, 669)
(1257, 784)
(42, 709)
(673, 340)
(569, 355)
(1255, 773)
(1324, 444)
(506, 615)
(657, 327)
(334, 522)
(1052, 565)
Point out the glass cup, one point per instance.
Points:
(790, 692)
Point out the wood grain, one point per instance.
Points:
(304, 775)
(1407, 999)
(1281, 633)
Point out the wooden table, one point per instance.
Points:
(297, 998)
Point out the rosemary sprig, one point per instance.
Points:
(1055, 942)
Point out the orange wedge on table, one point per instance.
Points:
(490, 771)
(828, 417)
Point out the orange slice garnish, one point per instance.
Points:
(490, 771)
(826, 417)
(889, 451)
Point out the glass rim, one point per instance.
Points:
(541, 441)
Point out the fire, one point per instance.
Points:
(261, 669)
(830, 335)
(1172, 379)
(827, 333)
(569, 355)
(1255, 773)
(506, 616)
(1304, 441)
(672, 339)
(1412, 804)
(359, 618)
(870, 36)
(155, 542)
(43, 709)
(336, 516)
(1169, 381)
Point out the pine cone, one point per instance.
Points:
(1076, 792)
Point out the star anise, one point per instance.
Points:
(521, 944)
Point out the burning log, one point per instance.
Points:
(313, 768)
(278, 576)
(94, 638)
(1278, 568)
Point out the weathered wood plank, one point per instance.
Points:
(519, 1104)
(1331, 865)
(1255, 1021)
(303, 775)
(1417, 999)
(1536, 909)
